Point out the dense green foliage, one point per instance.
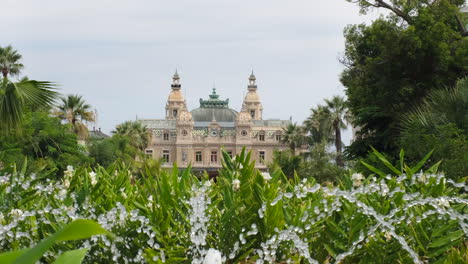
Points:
(172, 216)
(109, 150)
(317, 164)
(394, 62)
(440, 123)
(44, 141)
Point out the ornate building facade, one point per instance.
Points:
(197, 137)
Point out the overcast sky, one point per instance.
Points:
(120, 54)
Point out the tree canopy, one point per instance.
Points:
(391, 64)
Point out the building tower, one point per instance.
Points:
(175, 102)
(252, 103)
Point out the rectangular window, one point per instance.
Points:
(149, 152)
(166, 136)
(198, 156)
(165, 155)
(278, 137)
(252, 113)
(214, 156)
(230, 154)
(261, 137)
(261, 157)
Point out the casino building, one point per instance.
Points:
(197, 137)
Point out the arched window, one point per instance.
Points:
(261, 135)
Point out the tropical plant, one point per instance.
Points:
(75, 110)
(287, 162)
(294, 136)
(138, 134)
(440, 123)
(339, 117)
(410, 216)
(10, 62)
(440, 107)
(318, 124)
(15, 97)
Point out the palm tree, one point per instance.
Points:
(9, 61)
(14, 96)
(75, 110)
(294, 136)
(137, 133)
(318, 124)
(339, 117)
(440, 107)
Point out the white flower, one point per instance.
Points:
(444, 202)
(213, 256)
(208, 183)
(241, 166)
(69, 172)
(266, 176)
(422, 178)
(1, 217)
(235, 185)
(357, 179)
(17, 213)
(92, 175)
(66, 183)
(388, 236)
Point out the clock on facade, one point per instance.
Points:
(214, 132)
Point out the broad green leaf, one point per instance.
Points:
(9, 257)
(370, 167)
(421, 163)
(81, 229)
(71, 257)
(78, 229)
(386, 162)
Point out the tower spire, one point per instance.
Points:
(252, 85)
(175, 81)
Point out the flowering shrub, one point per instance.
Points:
(243, 215)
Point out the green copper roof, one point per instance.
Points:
(214, 101)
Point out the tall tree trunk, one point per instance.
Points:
(5, 72)
(339, 160)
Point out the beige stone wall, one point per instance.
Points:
(183, 145)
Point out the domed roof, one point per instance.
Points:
(252, 96)
(176, 95)
(204, 114)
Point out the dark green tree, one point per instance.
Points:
(440, 123)
(138, 134)
(294, 136)
(394, 62)
(44, 141)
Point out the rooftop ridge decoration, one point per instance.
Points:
(214, 101)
